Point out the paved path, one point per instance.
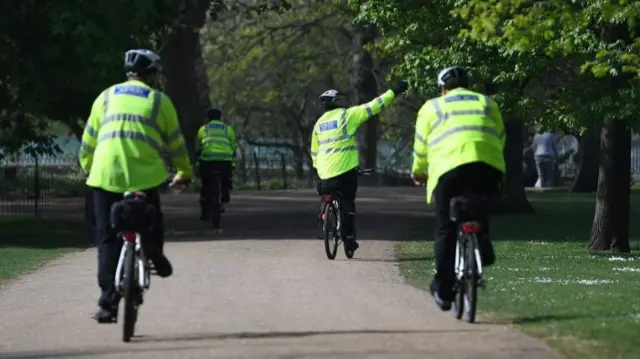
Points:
(264, 290)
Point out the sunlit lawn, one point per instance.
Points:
(546, 283)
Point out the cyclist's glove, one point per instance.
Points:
(400, 87)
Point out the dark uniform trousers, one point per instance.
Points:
(477, 178)
(109, 245)
(347, 184)
(208, 171)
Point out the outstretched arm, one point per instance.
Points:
(357, 115)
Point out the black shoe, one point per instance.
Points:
(353, 245)
(445, 305)
(221, 208)
(161, 265)
(487, 253)
(104, 316)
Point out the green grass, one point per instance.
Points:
(547, 284)
(26, 244)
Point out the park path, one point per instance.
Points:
(262, 290)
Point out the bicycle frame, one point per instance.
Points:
(143, 278)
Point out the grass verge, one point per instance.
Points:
(27, 243)
(548, 285)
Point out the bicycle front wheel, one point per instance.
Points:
(471, 279)
(130, 292)
(329, 230)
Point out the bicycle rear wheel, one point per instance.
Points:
(459, 286)
(330, 234)
(130, 292)
(471, 279)
(216, 203)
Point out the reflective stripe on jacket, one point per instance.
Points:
(455, 129)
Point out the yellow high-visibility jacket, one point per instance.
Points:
(130, 127)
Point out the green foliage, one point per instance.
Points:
(56, 57)
(266, 71)
(538, 53)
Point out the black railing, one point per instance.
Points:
(56, 187)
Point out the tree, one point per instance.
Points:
(429, 42)
(601, 38)
(266, 70)
(53, 69)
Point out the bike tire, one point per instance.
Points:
(471, 279)
(130, 293)
(458, 303)
(216, 204)
(329, 231)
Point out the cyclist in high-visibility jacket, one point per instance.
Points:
(334, 150)
(130, 127)
(216, 151)
(459, 143)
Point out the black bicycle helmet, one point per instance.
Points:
(214, 114)
(330, 96)
(141, 62)
(453, 77)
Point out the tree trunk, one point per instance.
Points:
(180, 58)
(515, 200)
(587, 175)
(610, 228)
(365, 85)
(202, 80)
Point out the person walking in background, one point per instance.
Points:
(545, 152)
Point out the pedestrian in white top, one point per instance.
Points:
(545, 152)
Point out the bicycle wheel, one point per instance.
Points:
(329, 231)
(471, 279)
(216, 204)
(130, 292)
(459, 286)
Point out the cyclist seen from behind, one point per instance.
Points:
(130, 127)
(334, 150)
(459, 142)
(216, 151)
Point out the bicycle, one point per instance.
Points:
(131, 217)
(332, 215)
(468, 261)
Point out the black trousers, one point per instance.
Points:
(208, 171)
(347, 184)
(477, 178)
(109, 245)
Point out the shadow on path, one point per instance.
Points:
(136, 341)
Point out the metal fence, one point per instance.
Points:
(56, 187)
